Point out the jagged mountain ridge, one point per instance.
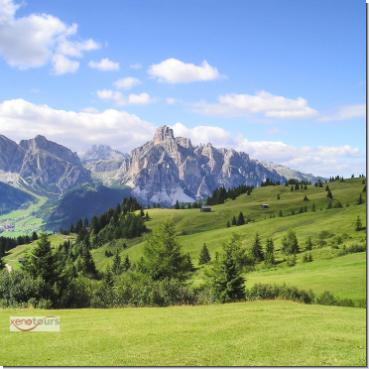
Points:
(163, 170)
(42, 166)
(168, 168)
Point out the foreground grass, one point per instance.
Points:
(254, 333)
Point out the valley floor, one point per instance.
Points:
(257, 333)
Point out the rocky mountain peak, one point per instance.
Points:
(163, 134)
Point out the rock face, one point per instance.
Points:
(170, 168)
(42, 166)
(106, 164)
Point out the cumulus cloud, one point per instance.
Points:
(80, 129)
(127, 83)
(119, 99)
(321, 160)
(346, 112)
(104, 65)
(136, 66)
(76, 129)
(263, 102)
(63, 65)
(35, 40)
(176, 71)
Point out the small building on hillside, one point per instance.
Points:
(205, 209)
(264, 206)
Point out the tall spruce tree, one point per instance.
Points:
(240, 219)
(256, 250)
(204, 255)
(227, 280)
(117, 267)
(269, 253)
(163, 256)
(290, 243)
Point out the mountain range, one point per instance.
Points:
(164, 170)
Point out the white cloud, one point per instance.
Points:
(321, 160)
(22, 119)
(346, 113)
(104, 65)
(63, 65)
(175, 71)
(139, 99)
(127, 83)
(76, 129)
(119, 99)
(263, 102)
(34, 40)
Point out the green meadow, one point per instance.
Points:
(256, 333)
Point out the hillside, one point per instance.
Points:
(332, 231)
(12, 198)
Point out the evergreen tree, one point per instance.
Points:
(241, 219)
(306, 198)
(204, 255)
(126, 264)
(227, 280)
(290, 243)
(234, 221)
(142, 214)
(269, 252)
(34, 236)
(329, 194)
(176, 206)
(2, 264)
(313, 208)
(87, 262)
(309, 244)
(147, 216)
(358, 224)
(360, 200)
(228, 224)
(117, 267)
(278, 197)
(41, 262)
(163, 257)
(256, 250)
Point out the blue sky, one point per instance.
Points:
(284, 80)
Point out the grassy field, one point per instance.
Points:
(25, 220)
(255, 333)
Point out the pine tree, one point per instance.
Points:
(290, 243)
(256, 250)
(329, 194)
(278, 197)
(163, 256)
(360, 200)
(269, 252)
(358, 224)
(126, 264)
(117, 267)
(176, 206)
(228, 224)
(309, 244)
(34, 236)
(142, 214)
(234, 221)
(241, 219)
(313, 208)
(204, 255)
(306, 198)
(227, 280)
(147, 216)
(87, 262)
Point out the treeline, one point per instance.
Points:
(221, 194)
(121, 222)
(8, 243)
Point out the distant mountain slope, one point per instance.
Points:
(84, 202)
(41, 166)
(12, 198)
(289, 173)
